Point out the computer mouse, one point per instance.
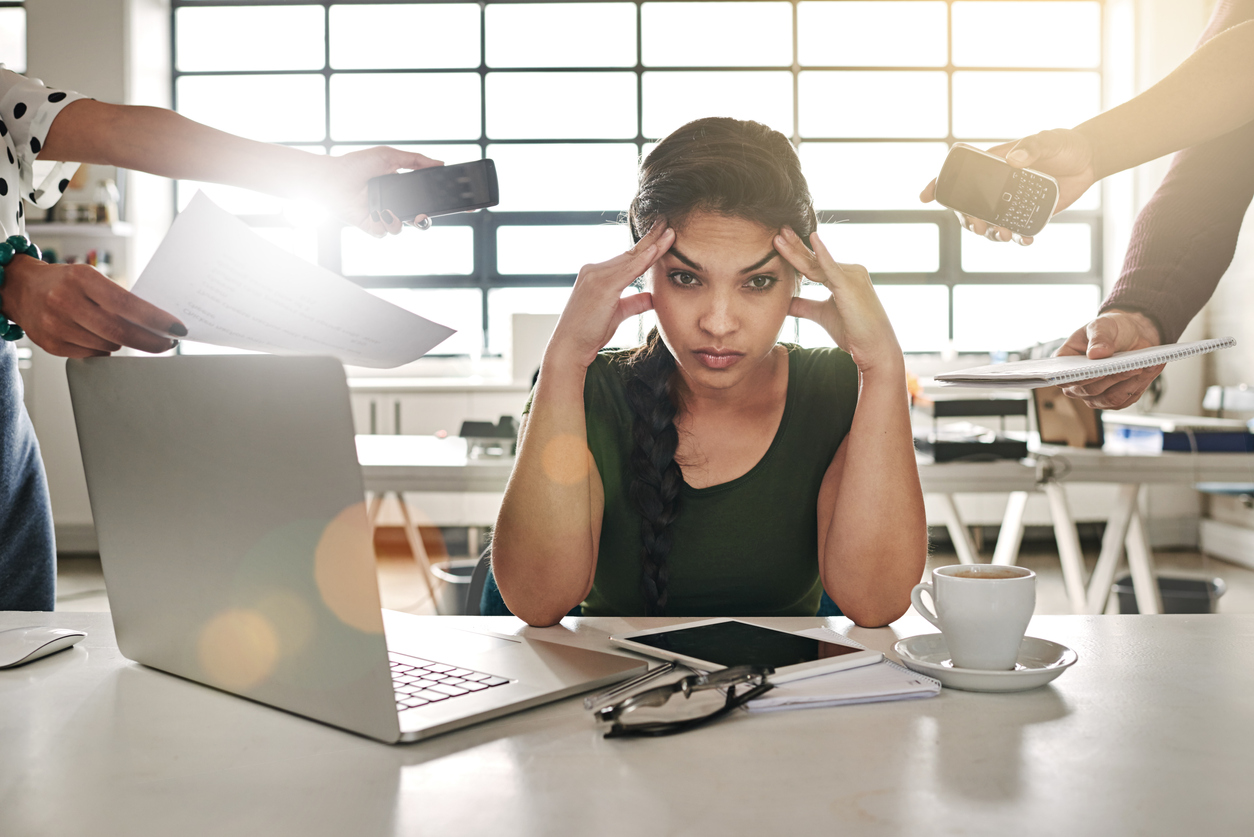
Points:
(19, 646)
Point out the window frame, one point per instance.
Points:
(484, 223)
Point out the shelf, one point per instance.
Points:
(118, 230)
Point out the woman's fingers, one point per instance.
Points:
(807, 309)
(633, 305)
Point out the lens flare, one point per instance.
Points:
(566, 459)
(238, 649)
(344, 569)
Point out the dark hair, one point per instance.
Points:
(721, 165)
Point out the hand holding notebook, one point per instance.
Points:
(1059, 371)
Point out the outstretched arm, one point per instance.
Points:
(872, 527)
(544, 549)
(74, 311)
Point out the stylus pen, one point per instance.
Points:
(592, 701)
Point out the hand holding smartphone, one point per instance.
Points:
(985, 186)
(439, 190)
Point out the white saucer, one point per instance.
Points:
(1040, 661)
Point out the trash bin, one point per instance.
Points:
(455, 573)
(1180, 595)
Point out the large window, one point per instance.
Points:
(13, 36)
(566, 96)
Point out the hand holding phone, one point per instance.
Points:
(985, 186)
(440, 190)
(1063, 154)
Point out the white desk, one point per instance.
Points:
(1151, 733)
(1125, 528)
(396, 464)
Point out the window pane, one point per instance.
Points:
(453, 307)
(885, 248)
(807, 332)
(561, 35)
(1010, 105)
(711, 34)
(981, 324)
(393, 37)
(439, 250)
(919, 314)
(367, 106)
(853, 104)
(224, 38)
(1060, 248)
(286, 108)
(865, 175)
(673, 99)
(871, 34)
(503, 303)
(539, 178)
(557, 249)
(1032, 34)
(558, 105)
(13, 38)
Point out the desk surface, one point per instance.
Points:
(1152, 732)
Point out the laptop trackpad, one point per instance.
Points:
(419, 635)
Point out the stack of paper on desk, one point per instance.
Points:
(877, 682)
(231, 287)
(880, 681)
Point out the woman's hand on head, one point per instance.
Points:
(597, 307)
(345, 186)
(73, 310)
(852, 313)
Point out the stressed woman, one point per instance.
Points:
(715, 471)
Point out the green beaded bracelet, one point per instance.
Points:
(12, 246)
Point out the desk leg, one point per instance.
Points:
(1112, 548)
(1068, 546)
(958, 532)
(420, 552)
(1011, 535)
(1141, 563)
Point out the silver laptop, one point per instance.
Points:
(232, 527)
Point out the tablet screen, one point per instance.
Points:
(739, 643)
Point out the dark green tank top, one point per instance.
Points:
(748, 547)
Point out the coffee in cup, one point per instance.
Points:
(983, 611)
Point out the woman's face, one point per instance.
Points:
(721, 294)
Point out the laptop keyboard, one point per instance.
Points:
(419, 682)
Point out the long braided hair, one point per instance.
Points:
(720, 165)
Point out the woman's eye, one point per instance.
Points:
(762, 283)
(685, 280)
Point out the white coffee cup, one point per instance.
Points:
(982, 609)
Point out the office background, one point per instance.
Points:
(565, 97)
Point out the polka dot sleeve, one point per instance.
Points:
(27, 109)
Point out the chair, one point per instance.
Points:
(483, 598)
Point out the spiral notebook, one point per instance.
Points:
(1056, 371)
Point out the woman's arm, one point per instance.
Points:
(544, 548)
(162, 142)
(871, 524)
(73, 310)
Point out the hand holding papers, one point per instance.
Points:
(1057, 371)
(231, 287)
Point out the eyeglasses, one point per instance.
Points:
(752, 677)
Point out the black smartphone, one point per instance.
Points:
(985, 186)
(439, 190)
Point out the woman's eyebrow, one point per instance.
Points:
(759, 263)
(683, 258)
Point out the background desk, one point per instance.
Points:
(1149, 734)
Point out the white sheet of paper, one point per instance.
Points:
(231, 287)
